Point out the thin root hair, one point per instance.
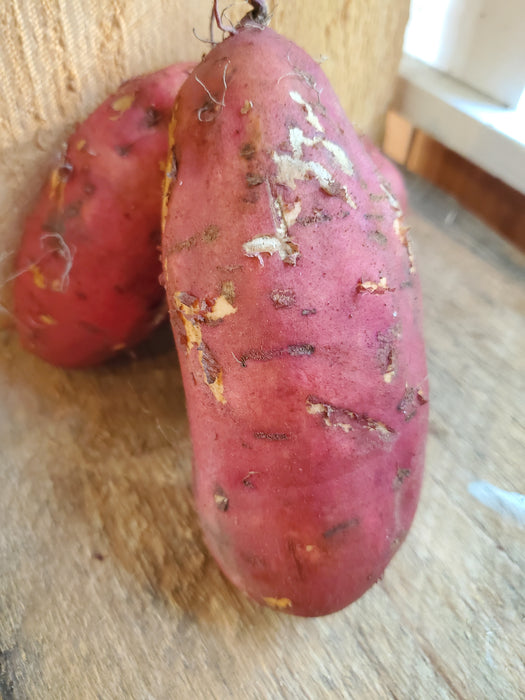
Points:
(224, 15)
(224, 81)
(243, 364)
(307, 78)
(302, 75)
(21, 272)
(254, 25)
(213, 99)
(217, 16)
(204, 41)
(65, 252)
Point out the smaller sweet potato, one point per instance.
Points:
(86, 274)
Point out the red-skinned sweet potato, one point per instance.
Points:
(387, 172)
(87, 270)
(296, 310)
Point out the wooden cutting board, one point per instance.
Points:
(106, 589)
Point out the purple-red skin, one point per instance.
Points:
(304, 368)
(87, 284)
(387, 172)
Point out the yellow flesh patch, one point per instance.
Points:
(56, 188)
(279, 603)
(389, 375)
(248, 105)
(38, 277)
(193, 332)
(192, 317)
(217, 388)
(373, 286)
(47, 320)
(121, 104)
(220, 309)
(168, 175)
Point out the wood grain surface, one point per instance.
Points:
(106, 590)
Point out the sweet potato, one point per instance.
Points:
(296, 311)
(387, 172)
(87, 270)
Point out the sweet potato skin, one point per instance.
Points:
(87, 270)
(296, 310)
(387, 172)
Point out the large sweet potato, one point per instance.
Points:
(87, 270)
(296, 311)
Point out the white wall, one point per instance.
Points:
(479, 42)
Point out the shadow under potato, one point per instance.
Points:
(115, 444)
(158, 343)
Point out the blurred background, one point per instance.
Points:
(458, 114)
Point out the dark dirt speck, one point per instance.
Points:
(248, 151)
(340, 527)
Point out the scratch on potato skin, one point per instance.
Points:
(193, 312)
(412, 399)
(283, 298)
(279, 240)
(401, 475)
(340, 527)
(371, 287)
(346, 419)
(212, 372)
(273, 437)
(264, 355)
(248, 151)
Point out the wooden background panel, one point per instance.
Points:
(498, 204)
(493, 201)
(59, 60)
(106, 590)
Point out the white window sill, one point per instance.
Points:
(464, 120)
